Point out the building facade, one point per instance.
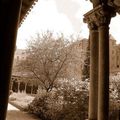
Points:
(114, 53)
(80, 50)
(114, 56)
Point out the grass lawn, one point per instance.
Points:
(20, 100)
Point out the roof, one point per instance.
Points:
(27, 5)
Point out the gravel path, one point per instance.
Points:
(15, 114)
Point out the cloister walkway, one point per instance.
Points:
(15, 114)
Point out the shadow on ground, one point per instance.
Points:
(19, 115)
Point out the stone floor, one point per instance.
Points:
(15, 114)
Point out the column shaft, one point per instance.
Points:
(103, 89)
(9, 17)
(18, 87)
(93, 92)
(11, 85)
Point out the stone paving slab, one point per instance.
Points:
(11, 107)
(15, 114)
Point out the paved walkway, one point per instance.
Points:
(15, 114)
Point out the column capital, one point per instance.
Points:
(91, 24)
(99, 16)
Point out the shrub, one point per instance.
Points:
(114, 109)
(45, 106)
(65, 103)
(75, 103)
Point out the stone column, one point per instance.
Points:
(25, 87)
(103, 18)
(93, 91)
(9, 18)
(31, 88)
(103, 90)
(18, 86)
(93, 88)
(11, 85)
(100, 16)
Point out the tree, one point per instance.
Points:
(115, 86)
(86, 67)
(114, 96)
(47, 60)
(55, 63)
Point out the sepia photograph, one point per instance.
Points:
(60, 60)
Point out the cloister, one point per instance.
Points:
(98, 19)
(23, 85)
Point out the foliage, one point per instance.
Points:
(114, 109)
(55, 63)
(115, 86)
(75, 100)
(66, 103)
(86, 68)
(45, 106)
(114, 96)
(50, 59)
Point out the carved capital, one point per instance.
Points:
(92, 26)
(100, 16)
(91, 23)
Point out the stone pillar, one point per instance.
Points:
(103, 89)
(93, 89)
(32, 89)
(103, 16)
(18, 86)
(9, 18)
(100, 16)
(25, 87)
(11, 85)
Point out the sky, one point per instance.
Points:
(64, 16)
